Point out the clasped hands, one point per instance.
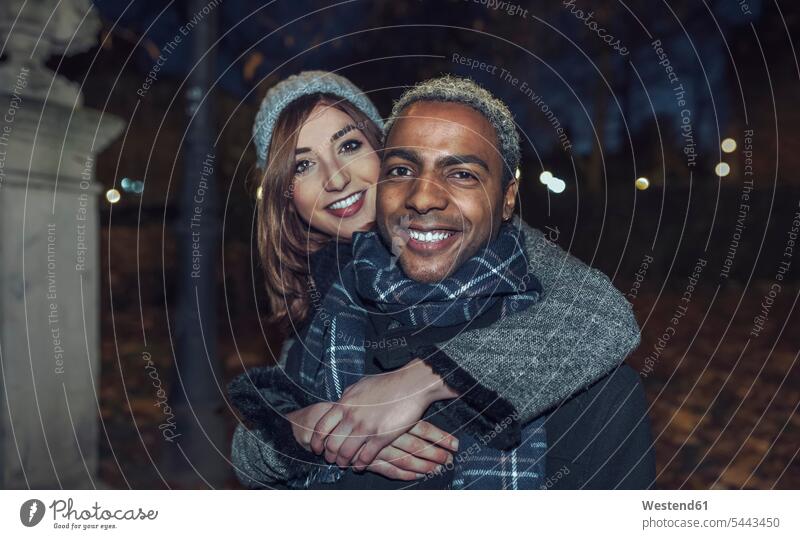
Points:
(377, 425)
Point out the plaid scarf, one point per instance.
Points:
(499, 272)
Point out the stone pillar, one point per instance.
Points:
(49, 253)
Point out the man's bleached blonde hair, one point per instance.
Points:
(467, 92)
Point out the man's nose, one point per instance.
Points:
(426, 195)
(338, 180)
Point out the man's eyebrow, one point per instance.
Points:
(342, 132)
(450, 160)
(402, 153)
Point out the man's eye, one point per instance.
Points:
(464, 175)
(302, 167)
(398, 171)
(350, 146)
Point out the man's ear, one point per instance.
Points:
(510, 199)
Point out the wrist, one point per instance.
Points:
(292, 418)
(301, 430)
(432, 385)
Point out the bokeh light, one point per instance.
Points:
(113, 196)
(557, 185)
(728, 145)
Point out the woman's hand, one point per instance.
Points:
(304, 420)
(413, 454)
(418, 452)
(374, 412)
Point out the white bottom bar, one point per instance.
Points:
(401, 514)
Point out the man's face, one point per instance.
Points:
(440, 193)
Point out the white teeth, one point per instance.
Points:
(428, 236)
(349, 201)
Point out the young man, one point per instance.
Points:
(445, 203)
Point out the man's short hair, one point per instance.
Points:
(467, 92)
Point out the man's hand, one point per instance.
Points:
(419, 451)
(374, 412)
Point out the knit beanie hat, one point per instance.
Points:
(302, 84)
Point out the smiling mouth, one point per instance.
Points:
(431, 236)
(345, 207)
(430, 241)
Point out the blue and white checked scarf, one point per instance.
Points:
(497, 273)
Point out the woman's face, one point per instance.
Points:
(336, 170)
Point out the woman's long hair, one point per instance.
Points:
(284, 239)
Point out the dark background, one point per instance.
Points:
(723, 400)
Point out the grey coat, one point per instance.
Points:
(581, 328)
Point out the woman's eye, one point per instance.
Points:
(350, 146)
(302, 167)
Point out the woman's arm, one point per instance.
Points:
(527, 363)
(264, 450)
(275, 451)
(259, 463)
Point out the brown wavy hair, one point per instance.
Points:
(284, 240)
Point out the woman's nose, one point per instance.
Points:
(338, 180)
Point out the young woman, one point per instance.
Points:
(318, 139)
